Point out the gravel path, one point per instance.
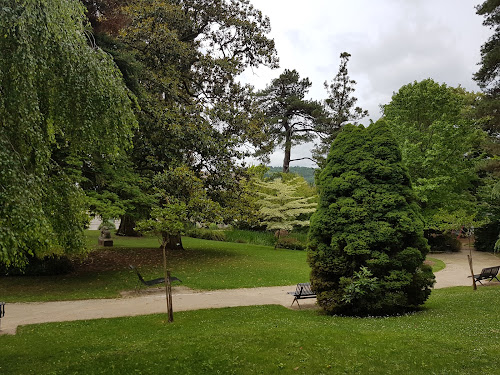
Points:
(153, 301)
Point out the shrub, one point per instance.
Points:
(443, 242)
(289, 243)
(207, 234)
(49, 265)
(366, 245)
(250, 236)
(486, 236)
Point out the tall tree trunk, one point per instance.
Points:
(127, 225)
(288, 150)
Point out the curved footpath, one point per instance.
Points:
(151, 302)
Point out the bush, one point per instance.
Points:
(443, 242)
(49, 265)
(207, 234)
(487, 236)
(290, 243)
(366, 245)
(250, 236)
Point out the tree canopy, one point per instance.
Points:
(289, 118)
(366, 246)
(439, 138)
(62, 101)
(181, 58)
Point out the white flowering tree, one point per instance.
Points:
(286, 202)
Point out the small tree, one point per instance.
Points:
(366, 246)
(182, 201)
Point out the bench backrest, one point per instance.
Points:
(304, 289)
(490, 271)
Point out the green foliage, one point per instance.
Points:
(366, 245)
(181, 59)
(250, 236)
(306, 172)
(289, 242)
(286, 202)
(439, 140)
(443, 242)
(207, 234)
(181, 201)
(486, 236)
(62, 101)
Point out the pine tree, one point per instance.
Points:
(366, 246)
(340, 106)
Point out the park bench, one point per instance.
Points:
(159, 280)
(2, 312)
(302, 291)
(487, 273)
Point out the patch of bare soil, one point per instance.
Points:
(429, 262)
(114, 259)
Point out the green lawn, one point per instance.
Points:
(437, 264)
(455, 334)
(203, 265)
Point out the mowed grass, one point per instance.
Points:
(202, 265)
(456, 333)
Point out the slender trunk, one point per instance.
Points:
(288, 150)
(469, 258)
(168, 286)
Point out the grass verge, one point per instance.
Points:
(436, 264)
(455, 334)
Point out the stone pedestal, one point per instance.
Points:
(105, 238)
(105, 241)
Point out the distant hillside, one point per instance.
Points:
(306, 172)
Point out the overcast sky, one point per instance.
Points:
(392, 43)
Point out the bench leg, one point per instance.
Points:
(479, 281)
(295, 299)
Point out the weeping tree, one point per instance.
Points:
(62, 100)
(366, 246)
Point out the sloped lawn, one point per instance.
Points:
(202, 265)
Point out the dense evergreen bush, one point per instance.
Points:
(46, 266)
(366, 246)
(442, 242)
(487, 236)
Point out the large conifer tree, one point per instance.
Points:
(366, 245)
